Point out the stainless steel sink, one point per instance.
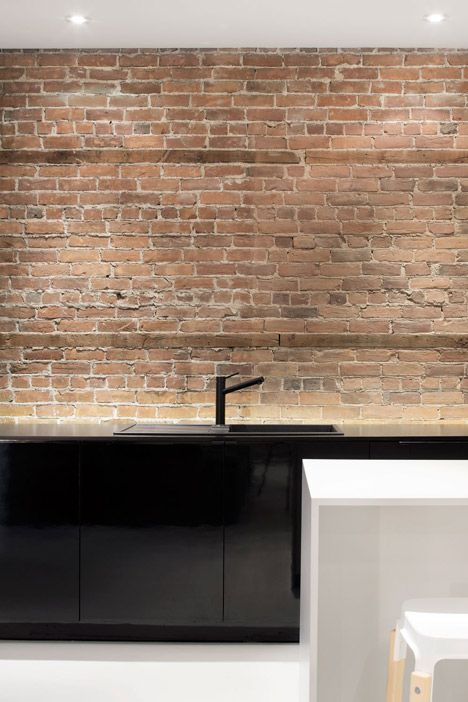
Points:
(190, 429)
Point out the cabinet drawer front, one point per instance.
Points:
(419, 449)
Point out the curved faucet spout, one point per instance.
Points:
(222, 391)
(245, 384)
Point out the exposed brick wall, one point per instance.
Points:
(165, 215)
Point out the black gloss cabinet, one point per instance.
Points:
(39, 533)
(261, 511)
(420, 449)
(152, 534)
(194, 539)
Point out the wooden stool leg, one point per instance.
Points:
(421, 687)
(396, 673)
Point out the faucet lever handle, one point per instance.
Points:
(231, 375)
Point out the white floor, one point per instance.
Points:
(95, 672)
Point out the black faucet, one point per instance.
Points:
(222, 391)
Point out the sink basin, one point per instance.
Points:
(143, 429)
(284, 429)
(308, 429)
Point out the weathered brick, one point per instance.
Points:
(166, 195)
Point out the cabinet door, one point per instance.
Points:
(151, 536)
(39, 537)
(420, 449)
(261, 510)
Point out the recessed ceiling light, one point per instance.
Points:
(435, 17)
(77, 19)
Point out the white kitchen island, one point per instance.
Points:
(375, 533)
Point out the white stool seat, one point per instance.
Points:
(438, 625)
(435, 630)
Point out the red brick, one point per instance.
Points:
(355, 241)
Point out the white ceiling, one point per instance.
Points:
(232, 23)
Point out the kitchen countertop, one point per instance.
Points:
(38, 431)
